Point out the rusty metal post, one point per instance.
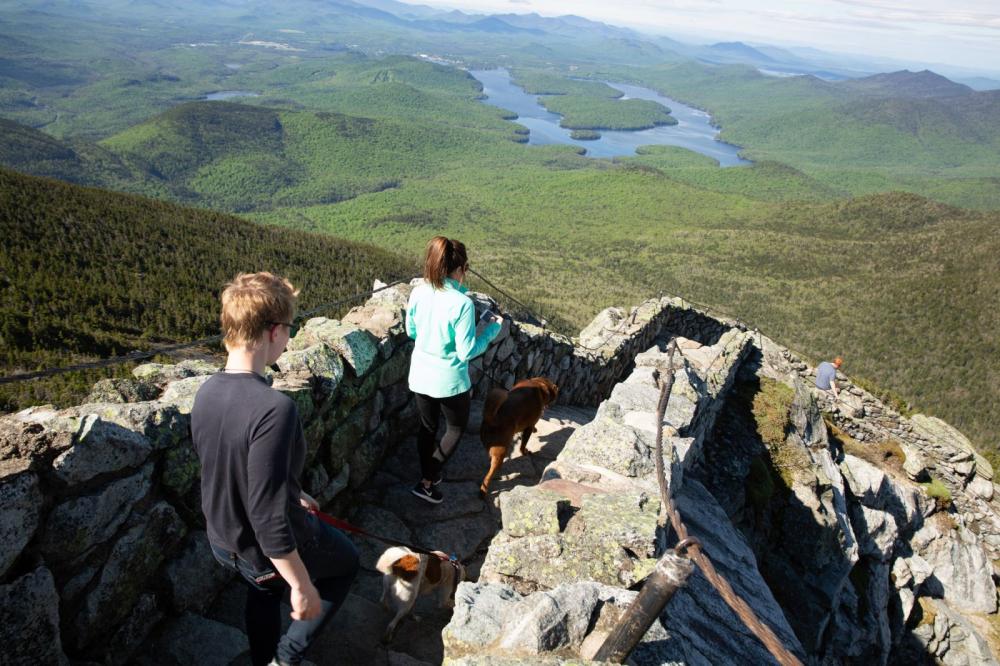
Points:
(669, 575)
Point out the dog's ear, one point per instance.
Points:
(406, 567)
(551, 391)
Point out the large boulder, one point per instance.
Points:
(949, 637)
(611, 539)
(963, 574)
(101, 447)
(358, 347)
(318, 361)
(192, 639)
(79, 523)
(20, 502)
(130, 564)
(195, 577)
(29, 621)
(494, 624)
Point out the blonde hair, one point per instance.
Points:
(251, 303)
(443, 256)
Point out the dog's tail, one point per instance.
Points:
(494, 400)
(390, 557)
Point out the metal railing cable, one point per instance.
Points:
(538, 317)
(691, 547)
(166, 349)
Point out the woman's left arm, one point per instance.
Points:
(467, 344)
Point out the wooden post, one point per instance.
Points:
(669, 575)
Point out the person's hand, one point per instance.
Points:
(306, 500)
(305, 602)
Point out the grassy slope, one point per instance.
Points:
(87, 273)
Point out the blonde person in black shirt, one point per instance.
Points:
(252, 451)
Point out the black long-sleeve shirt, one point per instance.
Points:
(252, 451)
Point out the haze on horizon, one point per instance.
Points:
(963, 33)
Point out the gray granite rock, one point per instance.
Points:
(101, 447)
(192, 639)
(194, 578)
(29, 621)
(961, 567)
(20, 502)
(318, 361)
(79, 523)
(529, 511)
(134, 631)
(358, 347)
(130, 564)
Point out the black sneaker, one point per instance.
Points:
(432, 494)
(438, 480)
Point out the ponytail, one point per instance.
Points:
(444, 255)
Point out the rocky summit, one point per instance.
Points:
(857, 534)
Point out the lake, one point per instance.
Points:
(692, 131)
(230, 94)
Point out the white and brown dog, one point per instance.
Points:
(407, 575)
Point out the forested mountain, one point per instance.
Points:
(90, 273)
(854, 231)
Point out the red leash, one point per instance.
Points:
(347, 527)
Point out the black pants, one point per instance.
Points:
(332, 562)
(456, 415)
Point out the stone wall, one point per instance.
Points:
(861, 565)
(101, 533)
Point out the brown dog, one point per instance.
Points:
(508, 413)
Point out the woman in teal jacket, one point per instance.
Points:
(442, 321)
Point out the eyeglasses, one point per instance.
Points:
(292, 327)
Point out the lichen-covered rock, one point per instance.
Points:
(194, 578)
(609, 540)
(20, 509)
(29, 621)
(101, 447)
(161, 423)
(158, 373)
(319, 361)
(133, 631)
(182, 392)
(382, 321)
(181, 468)
(34, 436)
(479, 617)
(529, 511)
(130, 564)
(123, 390)
(358, 347)
(614, 446)
(368, 453)
(79, 523)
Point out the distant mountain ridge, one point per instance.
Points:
(904, 83)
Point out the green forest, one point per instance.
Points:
(88, 274)
(865, 227)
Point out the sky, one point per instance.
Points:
(963, 33)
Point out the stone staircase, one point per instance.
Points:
(463, 524)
